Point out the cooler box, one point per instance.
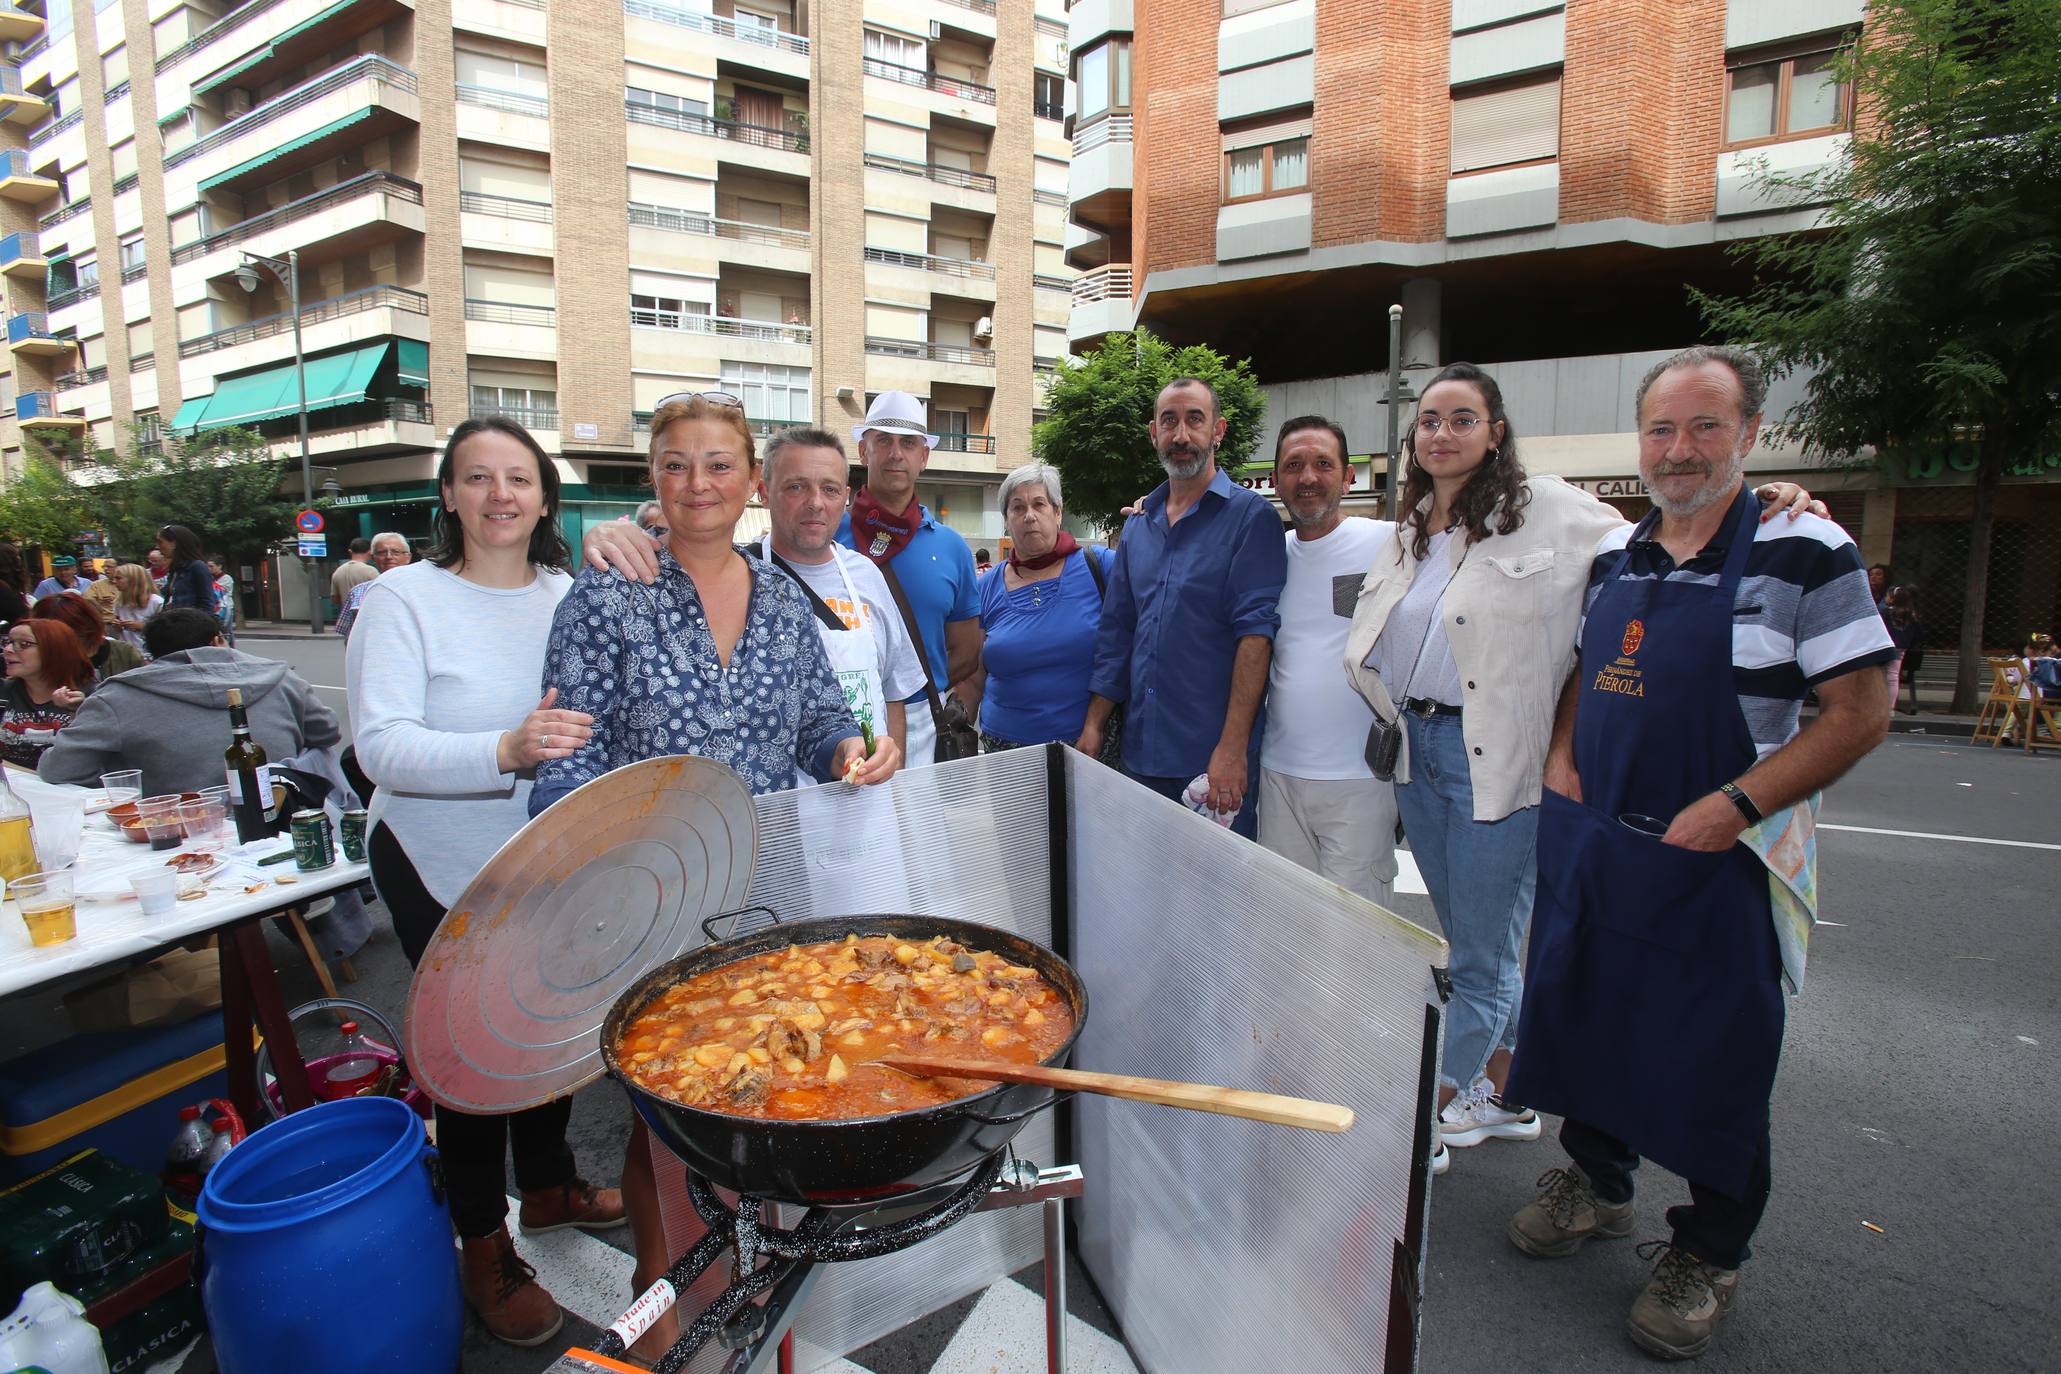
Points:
(118, 1092)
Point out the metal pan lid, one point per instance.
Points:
(506, 1008)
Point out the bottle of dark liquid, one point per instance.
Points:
(250, 781)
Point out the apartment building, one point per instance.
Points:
(557, 212)
(1536, 183)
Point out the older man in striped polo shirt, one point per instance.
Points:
(1677, 868)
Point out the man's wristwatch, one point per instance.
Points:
(1743, 802)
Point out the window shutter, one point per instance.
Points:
(1514, 124)
(1272, 132)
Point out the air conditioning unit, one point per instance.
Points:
(984, 327)
(236, 102)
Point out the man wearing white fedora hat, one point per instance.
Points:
(930, 562)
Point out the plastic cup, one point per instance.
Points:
(46, 906)
(160, 819)
(123, 786)
(205, 821)
(157, 891)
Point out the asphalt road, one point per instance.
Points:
(1916, 1092)
(320, 661)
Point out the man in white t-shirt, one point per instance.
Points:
(1320, 804)
(803, 483)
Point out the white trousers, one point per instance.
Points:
(1342, 829)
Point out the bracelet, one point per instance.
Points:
(1743, 802)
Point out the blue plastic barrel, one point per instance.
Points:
(325, 1247)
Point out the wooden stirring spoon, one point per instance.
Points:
(1194, 1097)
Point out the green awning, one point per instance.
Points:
(414, 363)
(243, 169)
(336, 379)
(269, 50)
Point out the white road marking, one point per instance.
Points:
(1929, 835)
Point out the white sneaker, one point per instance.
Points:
(1442, 1160)
(1479, 1114)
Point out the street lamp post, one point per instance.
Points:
(288, 271)
(1395, 407)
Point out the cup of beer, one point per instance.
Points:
(46, 906)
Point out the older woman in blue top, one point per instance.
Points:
(1039, 613)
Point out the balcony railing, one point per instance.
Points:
(507, 102)
(36, 405)
(34, 48)
(931, 262)
(793, 140)
(688, 222)
(770, 331)
(964, 443)
(135, 271)
(19, 245)
(1111, 283)
(418, 411)
(335, 308)
(931, 352)
(944, 176)
(932, 81)
(977, 6)
(62, 213)
(1044, 365)
(115, 92)
(55, 127)
(1042, 282)
(10, 82)
(83, 377)
(1049, 198)
(294, 210)
(529, 417)
(762, 34)
(142, 362)
(127, 183)
(1051, 28)
(505, 207)
(228, 23)
(366, 65)
(1110, 129)
(84, 291)
(508, 312)
(1047, 109)
(28, 324)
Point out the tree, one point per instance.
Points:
(1930, 307)
(1099, 407)
(42, 505)
(224, 485)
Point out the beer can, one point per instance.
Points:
(314, 846)
(351, 835)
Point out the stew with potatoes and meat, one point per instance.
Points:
(791, 1035)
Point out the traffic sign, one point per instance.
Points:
(314, 546)
(308, 522)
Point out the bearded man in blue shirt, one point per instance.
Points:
(1187, 630)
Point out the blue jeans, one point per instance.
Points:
(1481, 875)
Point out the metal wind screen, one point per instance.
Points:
(967, 839)
(1221, 1244)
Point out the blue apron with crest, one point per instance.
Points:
(1653, 1003)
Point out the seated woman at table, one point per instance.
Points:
(718, 657)
(48, 675)
(441, 668)
(1039, 615)
(108, 654)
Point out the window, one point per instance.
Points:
(1506, 124)
(1103, 74)
(662, 100)
(665, 312)
(1049, 99)
(150, 428)
(1269, 159)
(515, 401)
(770, 391)
(891, 47)
(1786, 97)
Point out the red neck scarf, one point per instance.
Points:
(1061, 547)
(879, 533)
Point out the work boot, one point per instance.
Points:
(1677, 1314)
(578, 1203)
(1565, 1214)
(503, 1289)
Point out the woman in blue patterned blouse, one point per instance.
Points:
(718, 657)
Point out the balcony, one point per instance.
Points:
(977, 6)
(943, 176)
(931, 81)
(931, 262)
(506, 102)
(39, 409)
(1101, 302)
(498, 312)
(964, 443)
(529, 417)
(316, 312)
(18, 183)
(17, 104)
(227, 24)
(511, 330)
(681, 121)
(757, 34)
(21, 257)
(143, 362)
(29, 332)
(344, 107)
(505, 207)
(765, 331)
(687, 222)
(19, 23)
(55, 127)
(297, 46)
(1045, 109)
(84, 291)
(83, 377)
(1099, 178)
(366, 184)
(71, 210)
(930, 352)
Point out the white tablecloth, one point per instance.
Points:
(111, 932)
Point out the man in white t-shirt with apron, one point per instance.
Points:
(1320, 804)
(802, 480)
